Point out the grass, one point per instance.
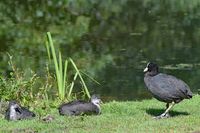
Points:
(118, 117)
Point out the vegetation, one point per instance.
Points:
(112, 41)
(122, 117)
(19, 86)
(29, 90)
(62, 73)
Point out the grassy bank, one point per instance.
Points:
(122, 117)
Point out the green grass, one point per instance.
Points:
(121, 117)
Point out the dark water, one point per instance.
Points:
(167, 37)
(123, 80)
(120, 41)
(126, 83)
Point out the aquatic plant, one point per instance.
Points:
(64, 87)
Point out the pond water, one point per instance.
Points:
(123, 79)
(126, 82)
(170, 37)
(123, 36)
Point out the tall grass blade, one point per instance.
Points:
(48, 50)
(55, 62)
(65, 74)
(62, 88)
(72, 85)
(82, 81)
(91, 78)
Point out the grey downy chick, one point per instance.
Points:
(16, 112)
(80, 107)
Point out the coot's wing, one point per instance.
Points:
(179, 85)
(26, 113)
(87, 108)
(71, 104)
(169, 87)
(71, 108)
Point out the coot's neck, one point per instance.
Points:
(151, 74)
(97, 105)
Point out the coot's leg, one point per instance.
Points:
(166, 113)
(167, 105)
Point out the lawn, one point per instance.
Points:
(121, 117)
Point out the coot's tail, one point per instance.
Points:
(189, 94)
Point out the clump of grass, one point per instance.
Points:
(65, 87)
(18, 86)
(25, 87)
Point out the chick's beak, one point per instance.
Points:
(145, 70)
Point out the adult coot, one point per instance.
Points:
(165, 88)
(80, 107)
(17, 112)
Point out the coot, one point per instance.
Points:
(165, 88)
(17, 112)
(80, 107)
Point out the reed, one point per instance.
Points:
(65, 88)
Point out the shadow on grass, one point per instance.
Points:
(156, 112)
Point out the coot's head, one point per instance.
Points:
(13, 104)
(151, 69)
(96, 99)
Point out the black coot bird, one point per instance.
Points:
(80, 107)
(165, 88)
(17, 112)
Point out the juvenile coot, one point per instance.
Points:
(165, 88)
(80, 107)
(16, 112)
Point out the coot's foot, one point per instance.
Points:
(164, 115)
